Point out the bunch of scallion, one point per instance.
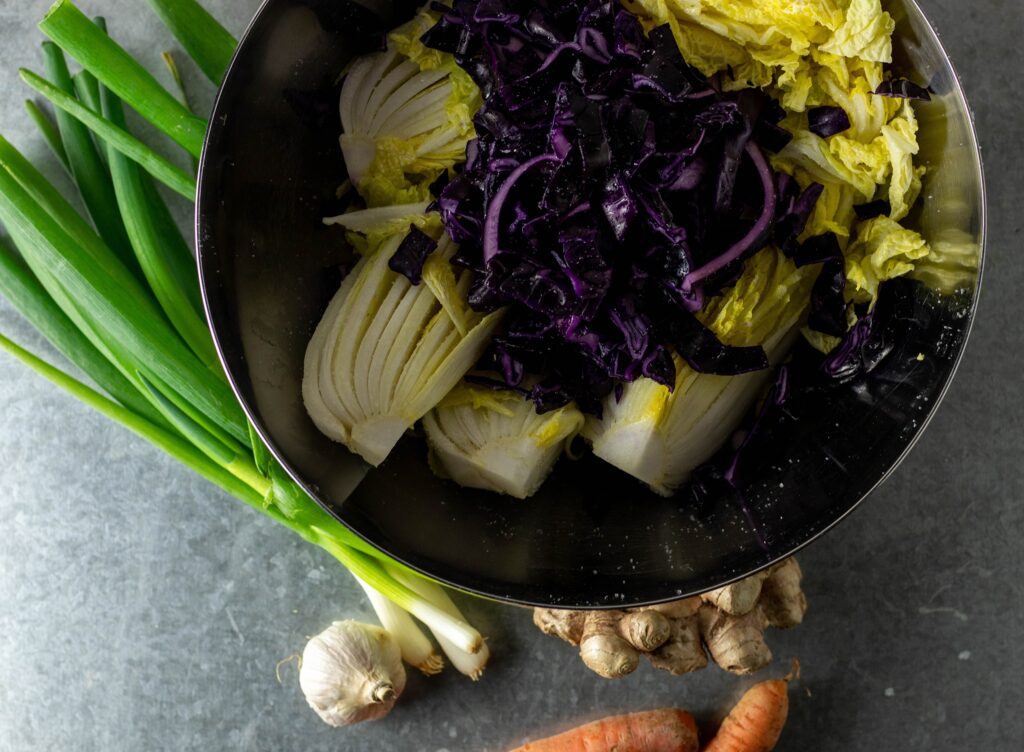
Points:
(116, 292)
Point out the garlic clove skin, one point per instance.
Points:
(352, 672)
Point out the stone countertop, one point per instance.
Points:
(142, 610)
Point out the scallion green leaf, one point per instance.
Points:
(65, 215)
(159, 167)
(27, 295)
(259, 452)
(159, 247)
(207, 42)
(121, 73)
(49, 131)
(87, 168)
(87, 89)
(141, 337)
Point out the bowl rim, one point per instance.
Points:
(216, 125)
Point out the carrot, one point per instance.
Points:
(756, 722)
(653, 731)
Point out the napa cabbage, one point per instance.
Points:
(496, 440)
(386, 352)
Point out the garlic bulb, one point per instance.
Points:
(352, 672)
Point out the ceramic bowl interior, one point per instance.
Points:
(592, 537)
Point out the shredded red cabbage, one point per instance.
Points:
(902, 88)
(828, 297)
(873, 209)
(611, 190)
(412, 254)
(827, 121)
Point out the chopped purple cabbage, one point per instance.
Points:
(828, 121)
(612, 189)
(412, 254)
(902, 88)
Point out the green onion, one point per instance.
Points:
(87, 168)
(178, 448)
(442, 624)
(87, 89)
(64, 214)
(137, 335)
(417, 650)
(157, 166)
(27, 295)
(144, 343)
(469, 662)
(259, 451)
(207, 42)
(162, 252)
(179, 83)
(122, 74)
(48, 130)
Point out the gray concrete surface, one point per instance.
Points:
(141, 610)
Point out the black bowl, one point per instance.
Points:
(592, 537)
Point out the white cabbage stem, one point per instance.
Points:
(370, 220)
(403, 123)
(496, 441)
(387, 96)
(666, 439)
(660, 436)
(387, 351)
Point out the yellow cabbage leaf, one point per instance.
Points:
(882, 250)
(866, 33)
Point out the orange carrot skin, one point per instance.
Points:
(665, 730)
(755, 724)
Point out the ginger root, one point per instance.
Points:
(645, 630)
(683, 653)
(729, 623)
(736, 643)
(568, 625)
(738, 598)
(784, 602)
(605, 651)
